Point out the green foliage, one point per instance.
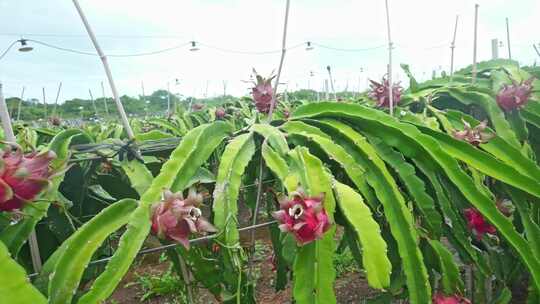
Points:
(14, 285)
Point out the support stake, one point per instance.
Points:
(390, 47)
(474, 68)
(508, 39)
(20, 104)
(93, 102)
(10, 138)
(44, 104)
(104, 99)
(452, 47)
(283, 50)
(119, 106)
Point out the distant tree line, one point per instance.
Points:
(154, 104)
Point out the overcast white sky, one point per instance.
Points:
(421, 31)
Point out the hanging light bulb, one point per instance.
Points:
(309, 47)
(24, 46)
(194, 47)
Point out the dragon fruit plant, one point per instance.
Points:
(475, 136)
(381, 92)
(176, 218)
(23, 177)
(263, 93)
(516, 95)
(304, 217)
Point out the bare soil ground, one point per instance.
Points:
(349, 287)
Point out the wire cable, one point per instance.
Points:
(151, 53)
(62, 48)
(108, 55)
(165, 247)
(8, 48)
(348, 50)
(249, 52)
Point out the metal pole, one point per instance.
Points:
(44, 103)
(56, 100)
(10, 137)
(20, 104)
(452, 47)
(283, 50)
(331, 81)
(104, 98)
(119, 105)
(494, 48)
(93, 102)
(168, 99)
(390, 47)
(327, 94)
(536, 49)
(508, 39)
(474, 71)
(224, 88)
(6, 120)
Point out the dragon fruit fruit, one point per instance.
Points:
(23, 177)
(477, 223)
(516, 95)
(381, 92)
(440, 298)
(475, 136)
(176, 218)
(263, 93)
(304, 217)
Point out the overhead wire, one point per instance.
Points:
(348, 50)
(169, 246)
(8, 48)
(249, 52)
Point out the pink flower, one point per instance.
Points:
(23, 177)
(304, 217)
(263, 93)
(516, 95)
(220, 113)
(477, 223)
(381, 92)
(475, 136)
(176, 218)
(440, 298)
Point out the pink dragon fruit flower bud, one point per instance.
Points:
(263, 93)
(381, 92)
(220, 113)
(23, 177)
(176, 218)
(440, 298)
(516, 95)
(304, 217)
(478, 224)
(475, 136)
